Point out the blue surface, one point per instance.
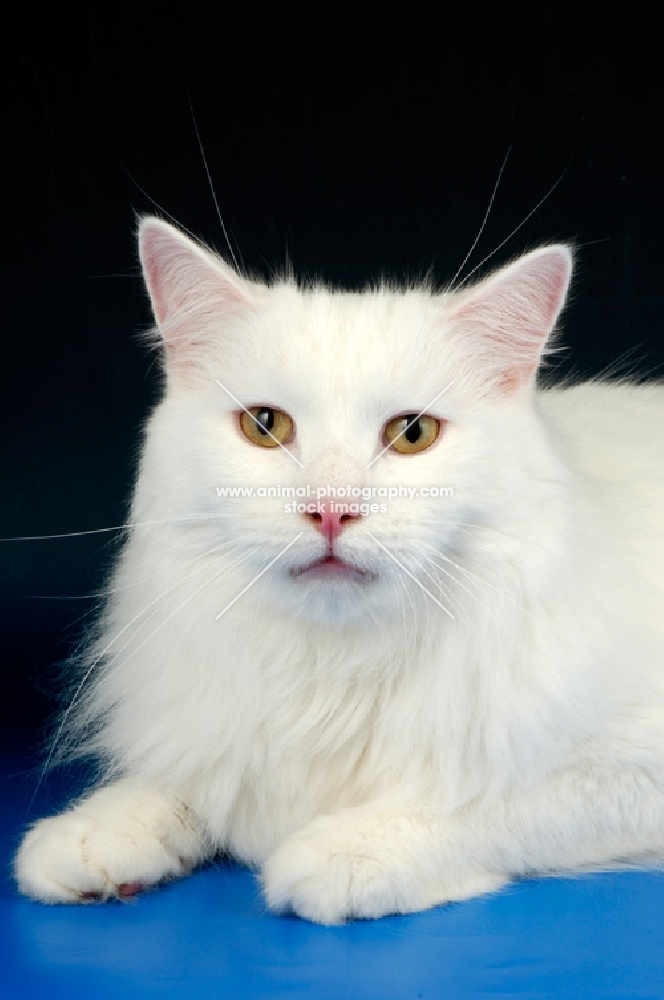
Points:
(209, 936)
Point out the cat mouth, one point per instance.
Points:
(330, 567)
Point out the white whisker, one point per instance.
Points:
(240, 559)
(185, 519)
(271, 563)
(408, 573)
(484, 220)
(503, 593)
(514, 231)
(86, 676)
(214, 193)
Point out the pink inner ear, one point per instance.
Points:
(183, 279)
(514, 312)
(153, 260)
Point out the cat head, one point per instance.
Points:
(418, 404)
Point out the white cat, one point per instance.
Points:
(384, 712)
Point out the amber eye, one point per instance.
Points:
(262, 424)
(409, 433)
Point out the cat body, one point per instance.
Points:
(387, 711)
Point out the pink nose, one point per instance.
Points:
(330, 524)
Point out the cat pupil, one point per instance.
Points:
(414, 431)
(265, 421)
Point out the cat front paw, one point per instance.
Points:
(336, 869)
(114, 844)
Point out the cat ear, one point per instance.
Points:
(511, 314)
(191, 290)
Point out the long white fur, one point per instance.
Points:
(365, 751)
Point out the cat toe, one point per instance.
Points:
(68, 859)
(329, 877)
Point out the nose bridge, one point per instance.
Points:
(335, 467)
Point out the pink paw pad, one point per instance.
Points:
(128, 889)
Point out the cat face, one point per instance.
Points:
(416, 404)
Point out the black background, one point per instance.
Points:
(357, 142)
